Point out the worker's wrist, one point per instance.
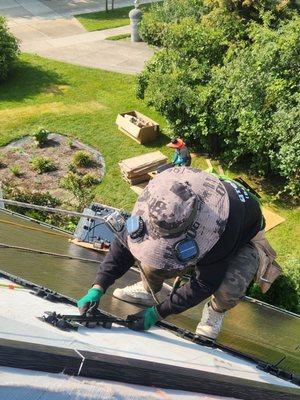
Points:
(96, 286)
(154, 313)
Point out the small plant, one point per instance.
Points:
(71, 144)
(71, 224)
(82, 159)
(41, 137)
(90, 179)
(72, 168)
(14, 149)
(16, 170)
(74, 184)
(42, 164)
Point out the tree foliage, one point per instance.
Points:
(9, 49)
(227, 79)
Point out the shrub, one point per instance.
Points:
(41, 137)
(9, 49)
(257, 109)
(155, 22)
(74, 183)
(72, 168)
(90, 179)
(71, 225)
(42, 164)
(16, 170)
(283, 293)
(38, 198)
(227, 79)
(82, 159)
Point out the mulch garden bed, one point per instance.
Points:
(60, 149)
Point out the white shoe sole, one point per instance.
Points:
(203, 332)
(118, 294)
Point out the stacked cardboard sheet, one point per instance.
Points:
(136, 169)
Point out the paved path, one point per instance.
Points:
(48, 28)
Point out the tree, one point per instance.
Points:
(227, 79)
(9, 49)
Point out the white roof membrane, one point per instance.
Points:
(18, 321)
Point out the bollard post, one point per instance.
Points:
(135, 16)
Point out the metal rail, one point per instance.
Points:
(50, 209)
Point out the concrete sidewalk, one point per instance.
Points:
(48, 28)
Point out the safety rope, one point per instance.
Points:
(149, 286)
(29, 250)
(66, 212)
(11, 286)
(125, 244)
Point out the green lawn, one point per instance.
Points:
(83, 103)
(100, 20)
(80, 102)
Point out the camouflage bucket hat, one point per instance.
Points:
(177, 201)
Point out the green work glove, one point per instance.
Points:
(143, 320)
(90, 302)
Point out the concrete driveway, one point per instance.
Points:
(48, 28)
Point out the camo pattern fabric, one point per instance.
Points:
(155, 277)
(241, 271)
(178, 203)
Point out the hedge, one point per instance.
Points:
(227, 79)
(9, 49)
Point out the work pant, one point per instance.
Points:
(241, 271)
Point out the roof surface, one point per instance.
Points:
(18, 320)
(256, 330)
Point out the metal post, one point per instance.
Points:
(135, 16)
(1, 195)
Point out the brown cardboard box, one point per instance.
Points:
(142, 134)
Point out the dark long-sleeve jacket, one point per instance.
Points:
(244, 222)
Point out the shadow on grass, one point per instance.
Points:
(27, 80)
(271, 185)
(161, 140)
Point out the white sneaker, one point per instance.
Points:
(211, 322)
(135, 293)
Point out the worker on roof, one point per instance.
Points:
(182, 155)
(188, 219)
